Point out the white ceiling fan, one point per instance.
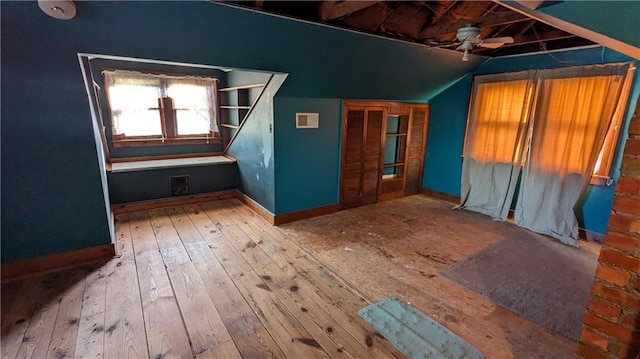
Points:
(469, 38)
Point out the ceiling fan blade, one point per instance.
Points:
(496, 42)
(501, 40)
(491, 45)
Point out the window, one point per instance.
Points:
(569, 110)
(605, 158)
(499, 114)
(151, 109)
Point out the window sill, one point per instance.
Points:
(149, 165)
(597, 180)
(137, 142)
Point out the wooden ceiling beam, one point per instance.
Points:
(331, 9)
(495, 19)
(527, 27)
(439, 16)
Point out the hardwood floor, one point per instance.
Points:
(215, 280)
(199, 281)
(398, 248)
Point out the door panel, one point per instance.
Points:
(371, 159)
(352, 159)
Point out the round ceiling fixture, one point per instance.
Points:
(60, 9)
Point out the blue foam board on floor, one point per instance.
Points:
(415, 334)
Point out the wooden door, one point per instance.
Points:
(366, 175)
(352, 142)
(361, 155)
(415, 149)
(371, 155)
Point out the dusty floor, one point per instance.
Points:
(397, 248)
(216, 280)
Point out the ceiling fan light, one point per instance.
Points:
(59, 9)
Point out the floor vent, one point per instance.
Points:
(180, 185)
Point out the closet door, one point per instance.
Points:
(371, 155)
(415, 149)
(352, 141)
(382, 151)
(361, 140)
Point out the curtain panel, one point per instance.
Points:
(572, 115)
(495, 142)
(133, 99)
(547, 126)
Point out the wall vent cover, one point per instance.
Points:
(307, 120)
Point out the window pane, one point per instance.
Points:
(496, 119)
(133, 110)
(194, 105)
(571, 112)
(392, 172)
(605, 158)
(141, 123)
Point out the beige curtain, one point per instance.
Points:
(495, 142)
(195, 101)
(574, 108)
(133, 100)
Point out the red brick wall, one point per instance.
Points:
(611, 326)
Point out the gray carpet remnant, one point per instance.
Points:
(536, 277)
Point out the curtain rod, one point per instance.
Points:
(158, 75)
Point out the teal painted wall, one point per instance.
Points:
(244, 77)
(445, 138)
(307, 160)
(53, 195)
(253, 147)
(447, 123)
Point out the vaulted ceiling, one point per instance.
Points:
(431, 23)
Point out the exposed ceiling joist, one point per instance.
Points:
(331, 9)
(446, 10)
(527, 27)
(501, 18)
(435, 23)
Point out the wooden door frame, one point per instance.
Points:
(423, 149)
(364, 105)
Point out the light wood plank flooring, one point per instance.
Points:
(201, 281)
(397, 248)
(217, 281)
